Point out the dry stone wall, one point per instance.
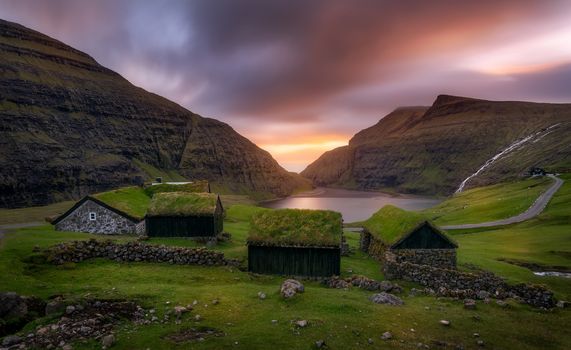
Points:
(106, 221)
(77, 251)
(455, 283)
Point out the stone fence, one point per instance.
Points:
(77, 251)
(465, 285)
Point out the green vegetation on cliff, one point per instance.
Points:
(432, 150)
(73, 127)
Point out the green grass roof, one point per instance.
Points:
(390, 223)
(182, 204)
(193, 187)
(296, 227)
(130, 200)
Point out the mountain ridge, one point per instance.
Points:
(430, 150)
(71, 126)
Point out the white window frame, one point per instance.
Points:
(92, 216)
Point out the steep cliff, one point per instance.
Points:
(431, 150)
(71, 126)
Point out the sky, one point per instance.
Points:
(301, 77)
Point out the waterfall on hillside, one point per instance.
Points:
(517, 144)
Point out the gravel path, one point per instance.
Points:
(535, 209)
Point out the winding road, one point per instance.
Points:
(535, 209)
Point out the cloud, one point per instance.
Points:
(322, 67)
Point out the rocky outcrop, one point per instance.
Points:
(431, 150)
(17, 310)
(77, 251)
(71, 127)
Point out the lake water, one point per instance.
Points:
(353, 205)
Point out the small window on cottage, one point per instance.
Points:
(92, 216)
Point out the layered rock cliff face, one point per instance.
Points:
(71, 127)
(431, 150)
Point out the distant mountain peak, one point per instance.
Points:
(430, 150)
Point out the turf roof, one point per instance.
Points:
(390, 223)
(182, 204)
(130, 200)
(193, 187)
(296, 227)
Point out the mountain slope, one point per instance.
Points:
(431, 150)
(71, 127)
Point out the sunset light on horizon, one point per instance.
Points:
(301, 78)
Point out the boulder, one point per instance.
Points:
(386, 298)
(11, 340)
(17, 310)
(301, 323)
(290, 288)
(55, 306)
(108, 341)
(469, 304)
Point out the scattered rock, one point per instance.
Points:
(502, 303)
(179, 310)
(386, 298)
(194, 334)
(70, 309)
(290, 288)
(370, 341)
(483, 295)
(445, 322)
(562, 304)
(301, 323)
(11, 340)
(197, 318)
(386, 336)
(320, 344)
(469, 304)
(67, 347)
(55, 306)
(261, 295)
(274, 321)
(215, 302)
(108, 341)
(480, 343)
(476, 335)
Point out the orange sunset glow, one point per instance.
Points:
(300, 78)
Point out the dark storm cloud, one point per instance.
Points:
(329, 66)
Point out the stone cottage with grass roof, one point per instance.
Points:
(184, 214)
(295, 242)
(396, 235)
(114, 212)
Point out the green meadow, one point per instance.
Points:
(344, 319)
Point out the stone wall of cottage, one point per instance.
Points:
(444, 258)
(458, 284)
(106, 221)
(372, 246)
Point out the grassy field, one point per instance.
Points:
(345, 319)
(489, 203)
(33, 214)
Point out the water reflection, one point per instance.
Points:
(353, 205)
